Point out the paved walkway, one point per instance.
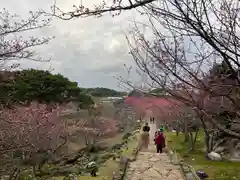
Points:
(152, 166)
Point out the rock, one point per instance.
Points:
(190, 176)
(124, 160)
(186, 169)
(137, 131)
(214, 156)
(171, 152)
(219, 149)
(234, 159)
(236, 153)
(91, 165)
(73, 176)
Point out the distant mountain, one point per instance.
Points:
(137, 93)
(158, 92)
(103, 92)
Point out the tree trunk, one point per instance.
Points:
(208, 141)
(186, 130)
(190, 141)
(86, 139)
(177, 129)
(193, 140)
(206, 132)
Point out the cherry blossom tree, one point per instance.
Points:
(14, 44)
(187, 39)
(114, 8)
(180, 60)
(28, 131)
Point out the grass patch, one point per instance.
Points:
(107, 170)
(215, 170)
(131, 147)
(114, 139)
(95, 178)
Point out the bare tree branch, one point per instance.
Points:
(13, 45)
(81, 11)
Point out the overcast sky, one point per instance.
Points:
(90, 51)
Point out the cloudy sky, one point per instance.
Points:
(90, 51)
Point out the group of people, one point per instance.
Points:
(152, 120)
(159, 138)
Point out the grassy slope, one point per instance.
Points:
(215, 170)
(106, 171)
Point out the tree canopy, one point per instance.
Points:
(103, 92)
(38, 85)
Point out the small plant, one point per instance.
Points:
(92, 168)
(126, 136)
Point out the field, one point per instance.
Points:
(215, 170)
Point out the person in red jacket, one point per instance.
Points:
(159, 141)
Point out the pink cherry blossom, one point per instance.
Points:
(31, 128)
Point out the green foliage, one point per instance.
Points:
(222, 70)
(26, 175)
(42, 86)
(103, 92)
(136, 93)
(215, 169)
(84, 100)
(126, 136)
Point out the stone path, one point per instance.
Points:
(152, 166)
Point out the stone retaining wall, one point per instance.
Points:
(124, 163)
(188, 171)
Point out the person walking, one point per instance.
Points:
(145, 136)
(159, 141)
(161, 128)
(146, 128)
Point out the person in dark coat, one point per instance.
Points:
(159, 141)
(146, 128)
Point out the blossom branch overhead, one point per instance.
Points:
(80, 11)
